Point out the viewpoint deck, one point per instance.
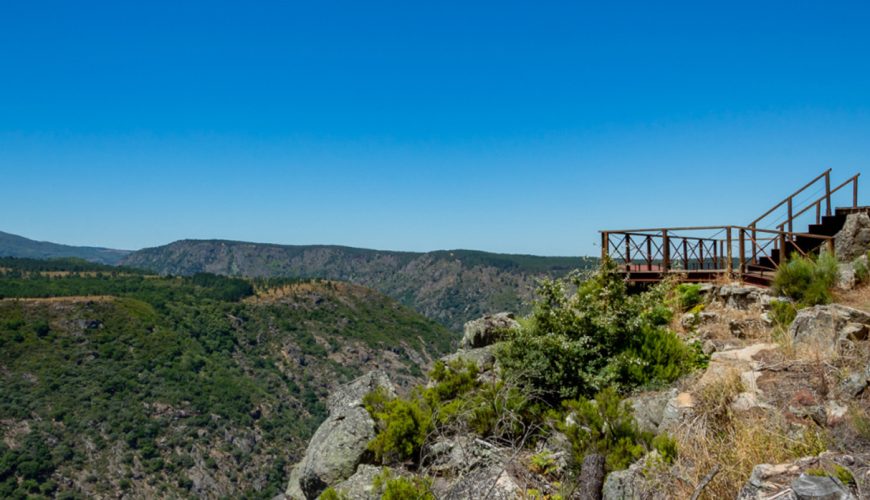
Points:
(750, 253)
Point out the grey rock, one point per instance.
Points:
(689, 321)
(487, 330)
(454, 456)
(742, 297)
(853, 240)
(494, 482)
(483, 357)
(825, 327)
(333, 453)
(339, 444)
(807, 487)
(627, 484)
(854, 383)
(360, 485)
(352, 393)
(649, 408)
(708, 347)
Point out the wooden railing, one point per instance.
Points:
(731, 250)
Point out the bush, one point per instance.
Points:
(402, 488)
(606, 425)
(807, 280)
(688, 296)
(577, 344)
(403, 426)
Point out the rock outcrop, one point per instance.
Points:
(853, 240)
(824, 328)
(791, 480)
(487, 330)
(339, 444)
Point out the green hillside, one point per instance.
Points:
(113, 381)
(449, 286)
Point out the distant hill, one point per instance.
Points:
(451, 286)
(12, 245)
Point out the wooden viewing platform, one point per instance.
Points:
(750, 253)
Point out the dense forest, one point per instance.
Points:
(113, 380)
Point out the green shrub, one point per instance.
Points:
(782, 313)
(576, 344)
(402, 488)
(688, 296)
(862, 272)
(807, 280)
(605, 425)
(331, 494)
(403, 426)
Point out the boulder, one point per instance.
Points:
(339, 444)
(360, 485)
(628, 484)
(454, 456)
(483, 357)
(742, 297)
(492, 483)
(853, 240)
(807, 487)
(788, 480)
(854, 383)
(649, 408)
(825, 327)
(676, 410)
(352, 393)
(487, 330)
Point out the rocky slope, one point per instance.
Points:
(130, 385)
(450, 287)
(781, 411)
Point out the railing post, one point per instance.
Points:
(831, 247)
(605, 245)
(666, 251)
(685, 254)
(790, 226)
(828, 193)
(754, 238)
(628, 252)
(742, 253)
(783, 253)
(715, 255)
(649, 253)
(855, 193)
(730, 267)
(819, 213)
(700, 254)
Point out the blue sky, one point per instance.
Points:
(505, 126)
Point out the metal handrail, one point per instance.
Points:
(827, 197)
(826, 174)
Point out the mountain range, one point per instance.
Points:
(449, 286)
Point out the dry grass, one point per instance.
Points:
(859, 298)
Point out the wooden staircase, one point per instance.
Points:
(750, 253)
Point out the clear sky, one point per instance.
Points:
(504, 126)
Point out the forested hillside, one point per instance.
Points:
(451, 287)
(114, 381)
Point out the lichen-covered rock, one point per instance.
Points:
(360, 486)
(494, 482)
(823, 328)
(482, 357)
(339, 444)
(454, 456)
(854, 239)
(649, 408)
(742, 297)
(487, 330)
(807, 487)
(352, 393)
(788, 480)
(628, 484)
